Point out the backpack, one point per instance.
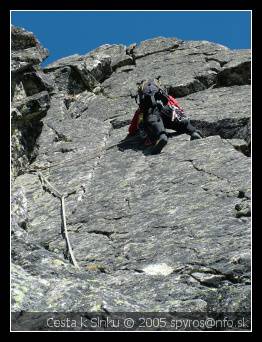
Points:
(151, 95)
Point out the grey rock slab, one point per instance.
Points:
(140, 209)
(237, 71)
(116, 52)
(155, 45)
(29, 293)
(184, 70)
(90, 69)
(208, 279)
(224, 111)
(167, 232)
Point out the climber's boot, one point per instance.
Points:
(196, 135)
(161, 142)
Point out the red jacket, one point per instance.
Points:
(133, 127)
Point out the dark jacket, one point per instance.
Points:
(134, 125)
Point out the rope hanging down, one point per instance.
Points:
(64, 231)
(62, 197)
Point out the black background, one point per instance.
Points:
(6, 6)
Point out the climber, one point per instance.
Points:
(157, 111)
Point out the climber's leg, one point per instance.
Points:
(156, 130)
(185, 126)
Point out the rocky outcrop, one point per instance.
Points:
(26, 49)
(167, 233)
(30, 89)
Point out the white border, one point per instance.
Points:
(251, 48)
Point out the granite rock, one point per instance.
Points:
(167, 232)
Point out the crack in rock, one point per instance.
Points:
(205, 171)
(101, 232)
(59, 136)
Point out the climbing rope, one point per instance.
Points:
(62, 197)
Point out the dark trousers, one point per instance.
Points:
(156, 124)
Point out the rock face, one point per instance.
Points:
(169, 232)
(30, 90)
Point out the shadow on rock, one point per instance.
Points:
(135, 143)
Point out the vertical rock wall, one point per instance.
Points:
(151, 233)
